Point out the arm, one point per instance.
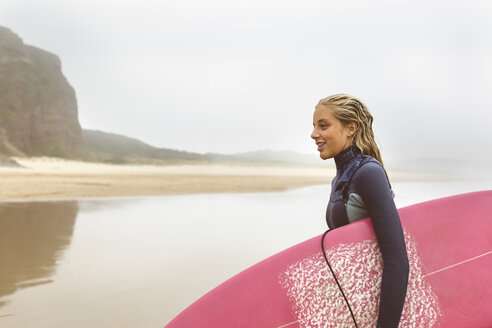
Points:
(371, 183)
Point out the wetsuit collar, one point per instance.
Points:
(345, 156)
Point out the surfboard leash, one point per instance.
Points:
(335, 276)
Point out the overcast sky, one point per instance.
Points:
(230, 76)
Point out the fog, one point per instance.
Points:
(233, 76)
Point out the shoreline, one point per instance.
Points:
(53, 179)
(50, 179)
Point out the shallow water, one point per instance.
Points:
(131, 262)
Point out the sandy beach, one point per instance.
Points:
(57, 179)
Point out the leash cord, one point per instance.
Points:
(336, 280)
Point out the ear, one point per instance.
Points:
(351, 128)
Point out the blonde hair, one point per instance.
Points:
(348, 109)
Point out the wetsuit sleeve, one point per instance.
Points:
(370, 182)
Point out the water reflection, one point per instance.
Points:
(33, 237)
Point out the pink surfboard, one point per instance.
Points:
(449, 244)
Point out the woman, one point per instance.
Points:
(360, 189)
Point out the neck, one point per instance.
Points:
(345, 156)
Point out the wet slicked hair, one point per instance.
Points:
(348, 109)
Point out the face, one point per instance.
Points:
(329, 133)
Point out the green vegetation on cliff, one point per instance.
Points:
(115, 148)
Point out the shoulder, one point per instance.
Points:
(371, 168)
(371, 174)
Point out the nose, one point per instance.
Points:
(314, 134)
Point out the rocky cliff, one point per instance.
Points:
(38, 108)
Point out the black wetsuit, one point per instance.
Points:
(363, 178)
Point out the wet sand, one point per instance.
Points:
(56, 179)
(130, 262)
